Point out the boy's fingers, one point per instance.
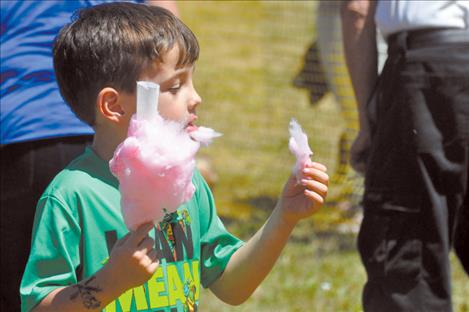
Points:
(139, 234)
(317, 175)
(153, 255)
(150, 259)
(146, 244)
(315, 186)
(319, 166)
(153, 266)
(314, 196)
(124, 239)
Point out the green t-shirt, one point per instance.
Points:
(78, 220)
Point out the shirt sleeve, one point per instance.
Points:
(217, 244)
(54, 256)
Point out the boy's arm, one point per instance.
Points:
(92, 294)
(359, 39)
(251, 263)
(134, 253)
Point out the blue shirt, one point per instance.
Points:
(31, 105)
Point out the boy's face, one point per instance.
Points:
(178, 98)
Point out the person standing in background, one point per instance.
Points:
(324, 71)
(413, 148)
(39, 134)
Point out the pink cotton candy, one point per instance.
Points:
(154, 166)
(298, 145)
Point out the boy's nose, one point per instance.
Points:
(195, 100)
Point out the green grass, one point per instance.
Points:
(306, 278)
(250, 52)
(322, 275)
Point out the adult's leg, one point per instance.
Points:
(391, 235)
(461, 228)
(461, 235)
(26, 169)
(415, 184)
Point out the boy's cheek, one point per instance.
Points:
(172, 111)
(163, 106)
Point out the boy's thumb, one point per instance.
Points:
(123, 239)
(139, 234)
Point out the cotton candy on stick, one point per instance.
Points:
(298, 145)
(155, 163)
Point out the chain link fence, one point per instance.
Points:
(261, 64)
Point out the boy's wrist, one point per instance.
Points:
(286, 220)
(95, 292)
(107, 278)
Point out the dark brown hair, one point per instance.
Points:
(109, 45)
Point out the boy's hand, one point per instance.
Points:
(133, 259)
(301, 200)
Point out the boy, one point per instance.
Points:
(77, 262)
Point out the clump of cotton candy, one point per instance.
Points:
(298, 145)
(204, 135)
(154, 165)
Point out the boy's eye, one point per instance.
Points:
(174, 89)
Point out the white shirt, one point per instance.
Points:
(393, 16)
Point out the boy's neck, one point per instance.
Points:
(104, 145)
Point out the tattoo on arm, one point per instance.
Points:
(87, 294)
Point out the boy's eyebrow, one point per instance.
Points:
(180, 72)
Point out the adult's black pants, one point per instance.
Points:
(416, 202)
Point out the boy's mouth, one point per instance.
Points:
(190, 126)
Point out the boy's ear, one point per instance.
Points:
(110, 104)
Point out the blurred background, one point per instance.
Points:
(261, 64)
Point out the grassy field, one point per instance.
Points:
(319, 276)
(250, 52)
(307, 277)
